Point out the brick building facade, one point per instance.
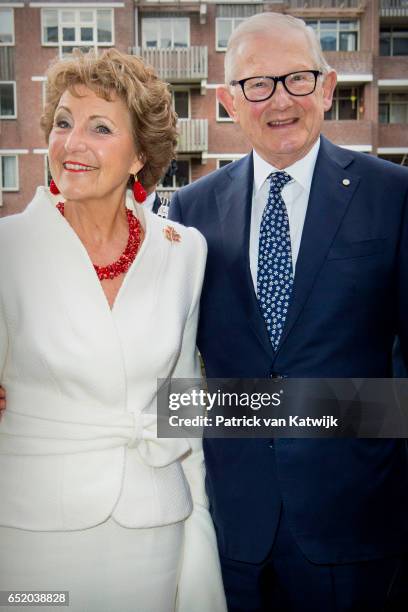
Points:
(366, 41)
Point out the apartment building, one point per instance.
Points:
(366, 41)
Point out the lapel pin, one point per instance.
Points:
(171, 234)
(346, 182)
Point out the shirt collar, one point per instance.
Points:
(301, 171)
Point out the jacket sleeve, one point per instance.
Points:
(175, 209)
(188, 367)
(403, 291)
(200, 586)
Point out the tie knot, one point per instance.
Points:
(279, 180)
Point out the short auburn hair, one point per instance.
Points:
(146, 96)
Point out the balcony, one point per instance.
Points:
(393, 8)
(356, 63)
(193, 135)
(393, 135)
(321, 8)
(350, 133)
(392, 67)
(324, 4)
(185, 4)
(184, 65)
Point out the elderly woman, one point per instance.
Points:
(91, 502)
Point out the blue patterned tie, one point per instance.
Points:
(275, 272)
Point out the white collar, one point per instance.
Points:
(301, 171)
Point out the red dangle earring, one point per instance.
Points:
(139, 191)
(53, 188)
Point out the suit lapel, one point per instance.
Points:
(328, 202)
(234, 203)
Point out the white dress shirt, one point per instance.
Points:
(295, 195)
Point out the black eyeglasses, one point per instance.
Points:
(260, 88)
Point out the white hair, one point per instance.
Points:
(267, 23)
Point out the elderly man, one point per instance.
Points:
(307, 276)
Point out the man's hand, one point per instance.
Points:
(2, 400)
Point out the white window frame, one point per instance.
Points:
(392, 39)
(13, 42)
(188, 91)
(174, 187)
(336, 99)
(46, 165)
(94, 44)
(234, 25)
(43, 81)
(218, 116)
(338, 30)
(171, 19)
(390, 103)
(6, 117)
(9, 189)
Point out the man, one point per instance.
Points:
(307, 276)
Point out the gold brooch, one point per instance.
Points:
(171, 234)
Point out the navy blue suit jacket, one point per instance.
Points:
(346, 500)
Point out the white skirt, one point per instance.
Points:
(107, 568)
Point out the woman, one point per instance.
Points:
(91, 501)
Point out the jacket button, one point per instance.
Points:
(275, 375)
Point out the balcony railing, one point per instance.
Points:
(350, 62)
(325, 4)
(392, 67)
(193, 135)
(185, 65)
(394, 8)
(182, 2)
(349, 132)
(392, 135)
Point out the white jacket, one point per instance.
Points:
(77, 442)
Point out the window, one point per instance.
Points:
(6, 26)
(224, 26)
(393, 107)
(8, 100)
(228, 17)
(396, 159)
(166, 32)
(224, 162)
(336, 35)
(222, 114)
(346, 102)
(181, 104)
(177, 175)
(48, 175)
(394, 41)
(72, 28)
(8, 173)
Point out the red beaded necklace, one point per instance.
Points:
(121, 265)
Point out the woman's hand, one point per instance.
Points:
(2, 401)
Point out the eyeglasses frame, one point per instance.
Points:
(276, 80)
